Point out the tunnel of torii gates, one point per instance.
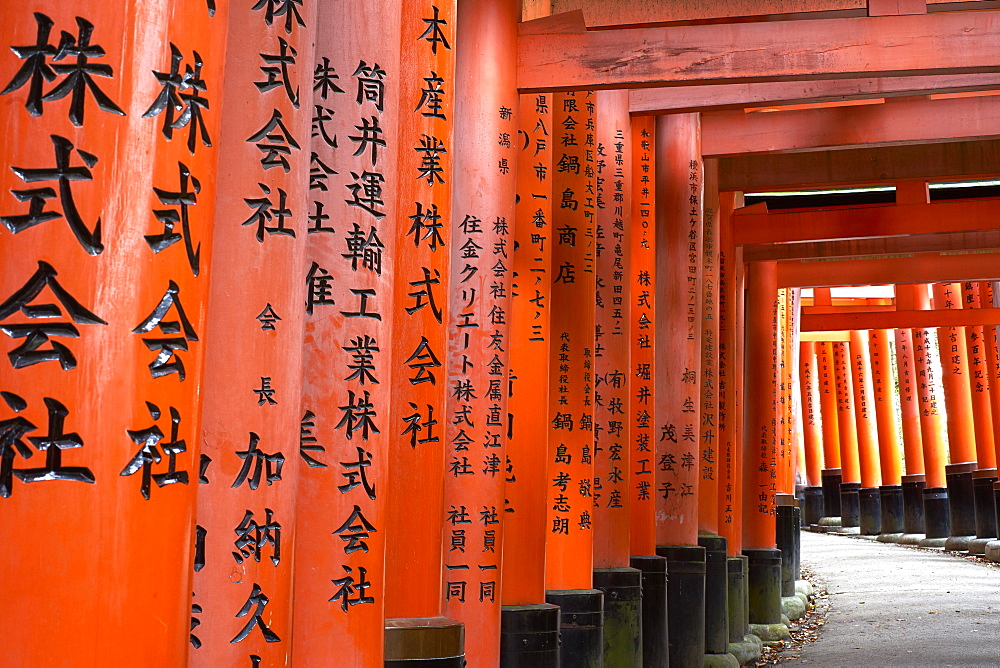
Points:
(420, 332)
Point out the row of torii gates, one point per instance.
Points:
(414, 333)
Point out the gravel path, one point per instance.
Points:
(899, 606)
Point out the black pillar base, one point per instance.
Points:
(764, 585)
(716, 594)
(685, 602)
(655, 649)
(812, 505)
(581, 626)
(739, 625)
(622, 614)
(982, 492)
(937, 525)
(529, 636)
(913, 504)
(850, 504)
(831, 492)
(961, 505)
(870, 511)
(892, 516)
(424, 642)
(785, 537)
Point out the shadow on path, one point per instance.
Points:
(897, 606)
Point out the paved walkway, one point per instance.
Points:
(897, 606)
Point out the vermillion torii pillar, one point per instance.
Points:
(848, 430)
(961, 420)
(620, 583)
(979, 382)
(476, 428)
(679, 188)
(642, 449)
(348, 281)
(832, 474)
(912, 482)
(889, 453)
(107, 180)
(934, 492)
(569, 545)
(869, 505)
(760, 448)
(812, 432)
(421, 238)
(525, 614)
(252, 449)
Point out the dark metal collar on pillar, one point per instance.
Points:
(655, 650)
(529, 636)
(428, 642)
(581, 624)
(716, 594)
(622, 589)
(831, 479)
(986, 519)
(913, 508)
(850, 504)
(812, 505)
(764, 585)
(961, 505)
(892, 516)
(870, 511)
(937, 523)
(685, 603)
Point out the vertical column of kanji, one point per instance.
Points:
(678, 302)
(955, 377)
(612, 384)
(987, 298)
(909, 401)
(979, 382)
(846, 420)
(525, 529)
(812, 430)
(421, 237)
(783, 459)
(107, 163)
(759, 472)
(932, 433)
(867, 428)
(730, 449)
(708, 459)
(347, 282)
(885, 401)
(641, 309)
(571, 464)
(828, 405)
(246, 505)
(483, 207)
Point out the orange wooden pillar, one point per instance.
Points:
(525, 529)
(979, 382)
(850, 465)
(641, 314)
(348, 279)
(102, 316)
(890, 454)
(479, 301)
(708, 459)
(931, 427)
(812, 420)
(812, 433)
(730, 378)
(760, 453)
(417, 413)
(677, 372)
(909, 402)
(612, 378)
(783, 404)
(831, 473)
(251, 457)
(955, 378)
(865, 419)
(868, 435)
(642, 310)
(988, 299)
(679, 184)
(612, 382)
